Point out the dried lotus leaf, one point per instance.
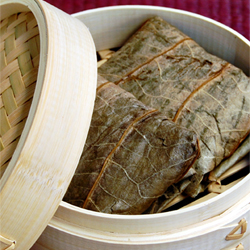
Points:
(242, 151)
(163, 202)
(168, 71)
(133, 153)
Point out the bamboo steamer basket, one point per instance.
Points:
(217, 223)
(48, 82)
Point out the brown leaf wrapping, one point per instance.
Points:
(171, 193)
(168, 71)
(133, 153)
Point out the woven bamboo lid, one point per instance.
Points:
(48, 81)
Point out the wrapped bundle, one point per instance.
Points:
(168, 71)
(133, 153)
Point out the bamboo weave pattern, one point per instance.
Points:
(19, 59)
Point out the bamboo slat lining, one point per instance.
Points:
(19, 59)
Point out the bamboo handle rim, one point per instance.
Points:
(11, 243)
(243, 225)
(240, 247)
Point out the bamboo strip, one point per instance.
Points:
(10, 42)
(31, 22)
(9, 101)
(3, 168)
(28, 35)
(214, 188)
(3, 23)
(5, 124)
(17, 83)
(9, 69)
(27, 94)
(1, 102)
(30, 18)
(3, 30)
(17, 52)
(2, 60)
(105, 54)
(21, 18)
(99, 63)
(35, 61)
(1, 144)
(33, 47)
(12, 18)
(213, 193)
(7, 152)
(19, 114)
(176, 200)
(6, 35)
(1, 46)
(31, 76)
(13, 133)
(25, 63)
(4, 85)
(20, 29)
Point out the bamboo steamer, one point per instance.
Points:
(218, 223)
(48, 82)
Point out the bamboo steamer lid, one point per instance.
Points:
(48, 81)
